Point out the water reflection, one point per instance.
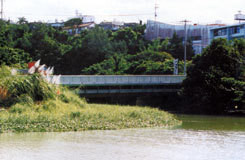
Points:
(186, 143)
(222, 123)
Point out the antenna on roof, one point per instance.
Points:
(76, 12)
(155, 24)
(156, 7)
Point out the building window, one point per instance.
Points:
(235, 30)
(220, 32)
(196, 38)
(223, 32)
(238, 29)
(216, 33)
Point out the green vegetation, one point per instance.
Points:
(215, 82)
(57, 116)
(73, 21)
(30, 104)
(90, 52)
(214, 85)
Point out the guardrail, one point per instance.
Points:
(125, 91)
(119, 80)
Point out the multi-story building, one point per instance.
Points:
(199, 34)
(229, 32)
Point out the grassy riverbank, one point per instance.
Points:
(92, 117)
(74, 114)
(30, 104)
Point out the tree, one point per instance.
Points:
(176, 48)
(91, 47)
(189, 49)
(22, 20)
(48, 44)
(96, 46)
(150, 62)
(119, 47)
(158, 45)
(73, 22)
(10, 56)
(213, 85)
(3, 38)
(132, 39)
(114, 65)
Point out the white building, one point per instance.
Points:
(57, 24)
(88, 19)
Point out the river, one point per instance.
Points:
(199, 138)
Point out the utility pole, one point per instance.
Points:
(185, 42)
(156, 7)
(1, 9)
(156, 28)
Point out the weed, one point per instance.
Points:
(63, 98)
(75, 115)
(17, 109)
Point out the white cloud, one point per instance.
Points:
(170, 10)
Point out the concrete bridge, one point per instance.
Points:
(122, 84)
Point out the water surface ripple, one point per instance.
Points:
(132, 144)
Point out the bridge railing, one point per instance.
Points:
(106, 80)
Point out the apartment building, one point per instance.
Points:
(199, 34)
(229, 32)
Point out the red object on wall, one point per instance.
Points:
(30, 64)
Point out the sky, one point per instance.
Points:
(169, 11)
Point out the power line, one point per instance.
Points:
(70, 15)
(125, 15)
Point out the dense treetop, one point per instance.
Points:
(90, 52)
(215, 81)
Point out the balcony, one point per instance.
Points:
(238, 35)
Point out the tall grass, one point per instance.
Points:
(21, 88)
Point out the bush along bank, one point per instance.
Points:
(30, 104)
